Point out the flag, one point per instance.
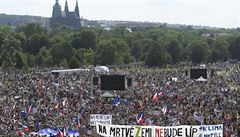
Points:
(116, 101)
(20, 132)
(81, 114)
(164, 109)
(25, 129)
(198, 118)
(64, 103)
(23, 113)
(140, 120)
(60, 133)
(14, 106)
(56, 107)
(161, 94)
(64, 132)
(155, 97)
(30, 109)
(78, 125)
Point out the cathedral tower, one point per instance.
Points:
(57, 13)
(66, 17)
(77, 9)
(66, 7)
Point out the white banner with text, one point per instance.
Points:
(107, 130)
(104, 119)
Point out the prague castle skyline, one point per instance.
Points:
(65, 17)
(215, 13)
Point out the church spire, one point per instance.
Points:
(57, 4)
(77, 9)
(66, 6)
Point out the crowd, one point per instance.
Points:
(42, 100)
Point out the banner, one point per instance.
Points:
(54, 132)
(158, 131)
(105, 119)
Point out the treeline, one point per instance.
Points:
(31, 46)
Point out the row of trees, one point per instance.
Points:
(31, 46)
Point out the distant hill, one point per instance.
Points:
(18, 20)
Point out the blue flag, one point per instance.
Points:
(116, 101)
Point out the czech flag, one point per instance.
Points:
(59, 133)
(140, 120)
(155, 97)
(81, 114)
(78, 124)
(30, 109)
(25, 129)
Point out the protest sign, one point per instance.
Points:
(105, 119)
(159, 131)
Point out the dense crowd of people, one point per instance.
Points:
(42, 100)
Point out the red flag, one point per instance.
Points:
(60, 133)
(20, 132)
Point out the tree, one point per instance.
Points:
(85, 56)
(31, 29)
(36, 42)
(88, 39)
(219, 50)
(136, 47)
(106, 53)
(175, 50)
(122, 51)
(9, 48)
(46, 57)
(85, 39)
(234, 48)
(198, 51)
(74, 63)
(20, 60)
(2, 37)
(61, 51)
(157, 56)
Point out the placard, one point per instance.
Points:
(100, 118)
(159, 131)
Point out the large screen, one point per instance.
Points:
(112, 82)
(197, 73)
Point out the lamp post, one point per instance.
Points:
(91, 78)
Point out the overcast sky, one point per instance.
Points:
(215, 13)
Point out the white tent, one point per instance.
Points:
(107, 95)
(201, 79)
(102, 69)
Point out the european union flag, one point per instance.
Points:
(116, 101)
